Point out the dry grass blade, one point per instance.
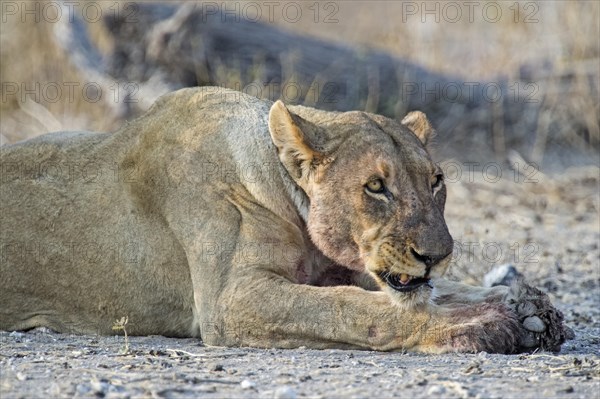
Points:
(181, 353)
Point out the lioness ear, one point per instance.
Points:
(292, 145)
(418, 123)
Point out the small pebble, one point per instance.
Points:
(422, 382)
(436, 390)
(247, 384)
(569, 389)
(473, 368)
(100, 387)
(82, 389)
(218, 367)
(285, 392)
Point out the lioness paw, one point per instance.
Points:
(542, 323)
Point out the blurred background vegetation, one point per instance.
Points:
(95, 64)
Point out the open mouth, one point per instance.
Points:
(404, 282)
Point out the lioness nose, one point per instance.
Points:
(429, 259)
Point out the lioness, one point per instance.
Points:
(243, 222)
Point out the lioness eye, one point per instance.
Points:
(437, 182)
(375, 186)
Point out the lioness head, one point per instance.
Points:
(376, 198)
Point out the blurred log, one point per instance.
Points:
(170, 47)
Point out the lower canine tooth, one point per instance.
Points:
(404, 277)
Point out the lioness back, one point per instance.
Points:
(84, 237)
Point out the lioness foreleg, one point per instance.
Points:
(266, 310)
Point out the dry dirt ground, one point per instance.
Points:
(547, 227)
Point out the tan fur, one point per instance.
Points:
(220, 216)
